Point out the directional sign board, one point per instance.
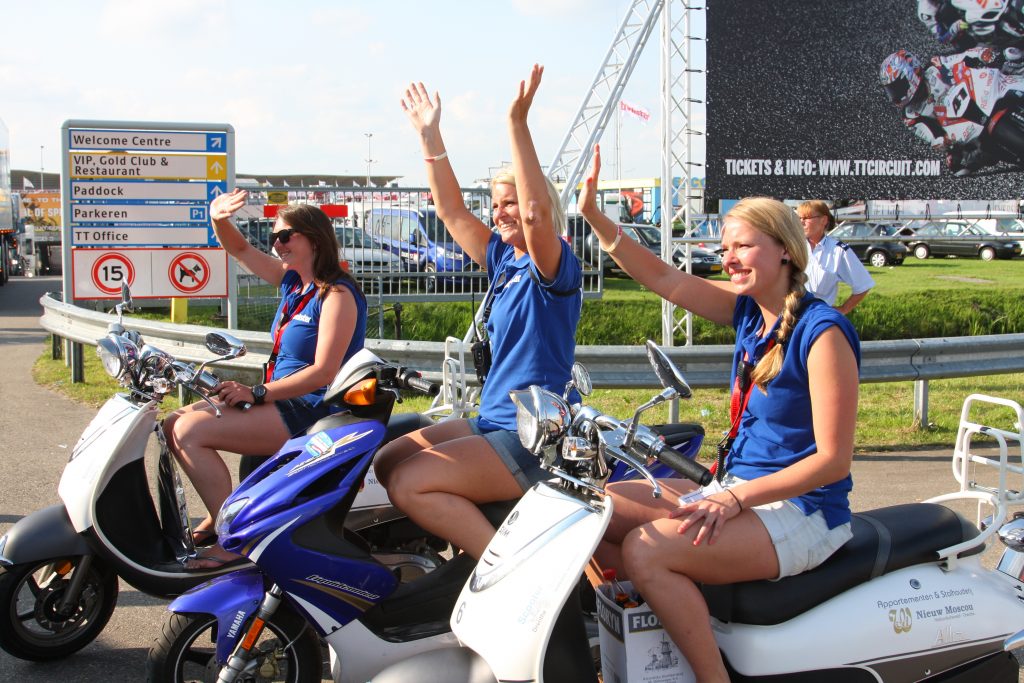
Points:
(144, 185)
(150, 273)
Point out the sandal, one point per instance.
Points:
(209, 561)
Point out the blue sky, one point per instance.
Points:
(303, 82)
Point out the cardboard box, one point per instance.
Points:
(634, 646)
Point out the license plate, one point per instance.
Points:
(716, 269)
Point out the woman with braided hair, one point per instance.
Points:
(781, 505)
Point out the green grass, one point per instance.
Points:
(884, 420)
(930, 298)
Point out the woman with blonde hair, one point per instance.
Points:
(439, 474)
(781, 505)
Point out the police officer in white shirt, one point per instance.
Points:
(831, 261)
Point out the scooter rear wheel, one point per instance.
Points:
(34, 627)
(185, 651)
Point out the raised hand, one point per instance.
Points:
(588, 195)
(524, 100)
(423, 113)
(227, 204)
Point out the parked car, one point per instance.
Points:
(581, 237)
(419, 238)
(362, 255)
(704, 262)
(956, 238)
(865, 240)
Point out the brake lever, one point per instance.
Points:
(629, 459)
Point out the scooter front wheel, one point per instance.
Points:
(35, 625)
(185, 651)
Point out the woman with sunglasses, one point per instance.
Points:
(782, 506)
(320, 323)
(439, 474)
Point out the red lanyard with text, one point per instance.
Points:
(741, 390)
(286, 317)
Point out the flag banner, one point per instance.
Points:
(635, 110)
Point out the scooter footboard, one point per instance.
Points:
(233, 599)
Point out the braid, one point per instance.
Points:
(771, 363)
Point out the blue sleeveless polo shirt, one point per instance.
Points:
(776, 429)
(298, 343)
(532, 328)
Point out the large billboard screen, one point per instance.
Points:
(799, 105)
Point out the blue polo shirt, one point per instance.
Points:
(298, 343)
(776, 429)
(532, 328)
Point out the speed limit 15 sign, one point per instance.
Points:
(151, 273)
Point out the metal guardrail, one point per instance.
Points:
(609, 366)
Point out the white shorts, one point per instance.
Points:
(801, 541)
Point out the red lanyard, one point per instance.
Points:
(741, 390)
(286, 317)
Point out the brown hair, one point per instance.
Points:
(775, 219)
(316, 226)
(817, 207)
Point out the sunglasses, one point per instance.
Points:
(283, 236)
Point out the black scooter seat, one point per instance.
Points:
(884, 540)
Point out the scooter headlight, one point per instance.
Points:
(117, 355)
(227, 515)
(541, 417)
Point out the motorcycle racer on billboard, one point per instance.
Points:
(963, 24)
(969, 104)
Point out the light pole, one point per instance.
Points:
(40, 167)
(369, 160)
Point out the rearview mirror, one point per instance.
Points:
(667, 373)
(225, 345)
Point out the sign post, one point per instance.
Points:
(135, 197)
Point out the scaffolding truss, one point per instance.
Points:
(674, 19)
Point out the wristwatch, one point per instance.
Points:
(259, 394)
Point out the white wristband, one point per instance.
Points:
(430, 160)
(615, 244)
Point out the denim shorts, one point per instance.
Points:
(524, 465)
(801, 541)
(299, 414)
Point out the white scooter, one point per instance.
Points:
(906, 599)
(59, 566)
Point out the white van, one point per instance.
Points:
(994, 222)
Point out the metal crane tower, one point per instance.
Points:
(574, 154)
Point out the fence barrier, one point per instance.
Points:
(917, 360)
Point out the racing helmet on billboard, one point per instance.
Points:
(900, 76)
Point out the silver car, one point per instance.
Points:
(362, 256)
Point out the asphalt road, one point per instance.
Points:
(38, 428)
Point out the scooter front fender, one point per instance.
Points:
(44, 534)
(232, 599)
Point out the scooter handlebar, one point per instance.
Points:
(410, 379)
(691, 469)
